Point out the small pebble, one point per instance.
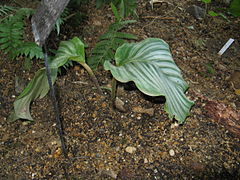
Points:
(25, 123)
(171, 152)
(174, 125)
(139, 109)
(130, 149)
(119, 104)
(145, 160)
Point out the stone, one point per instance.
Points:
(171, 152)
(130, 149)
(235, 79)
(20, 84)
(119, 104)
(196, 12)
(138, 109)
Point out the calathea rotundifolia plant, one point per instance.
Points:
(72, 50)
(149, 64)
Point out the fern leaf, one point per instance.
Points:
(127, 7)
(125, 35)
(11, 36)
(61, 20)
(29, 49)
(22, 13)
(109, 42)
(5, 11)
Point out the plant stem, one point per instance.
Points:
(114, 88)
(206, 7)
(93, 77)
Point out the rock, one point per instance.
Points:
(196, 12)
(139, 109)
(120, 91)
(222, 67)
(57, 153)
(130, 149)
(97, 23)
(171, 152)
(126, 173)
(235, 79)
(25, 123)
(174, 125)
(119, 104)
(20, 84)
(197, 166)
(109, 173)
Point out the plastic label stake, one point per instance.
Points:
(226, 46)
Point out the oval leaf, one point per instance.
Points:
(150, 65)
(69, 50)
(37, 88)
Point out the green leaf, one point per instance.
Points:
(206, 1)
(122, 35)
(109, 42)
(61, 20)
(29, 49)
(126, 7)
(99, 3)
(37, 88)
(12, 30)
(115, 12)
(235, 7)
(69, 50)
(150, 65)
(213, 14)
(5, 10)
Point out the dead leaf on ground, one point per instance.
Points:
(225, 115)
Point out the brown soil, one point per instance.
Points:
(104, 143)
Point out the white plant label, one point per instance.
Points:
(226, 46)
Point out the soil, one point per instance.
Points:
(141, 142)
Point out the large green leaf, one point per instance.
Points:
(235, 7)
(150, 65)
(69, 50)
(38, 87)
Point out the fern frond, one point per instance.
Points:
(127, 7)
(108, 43)
(61, 20)
(29, 49)
(6, 10)
(23, 12)
(11, 36)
